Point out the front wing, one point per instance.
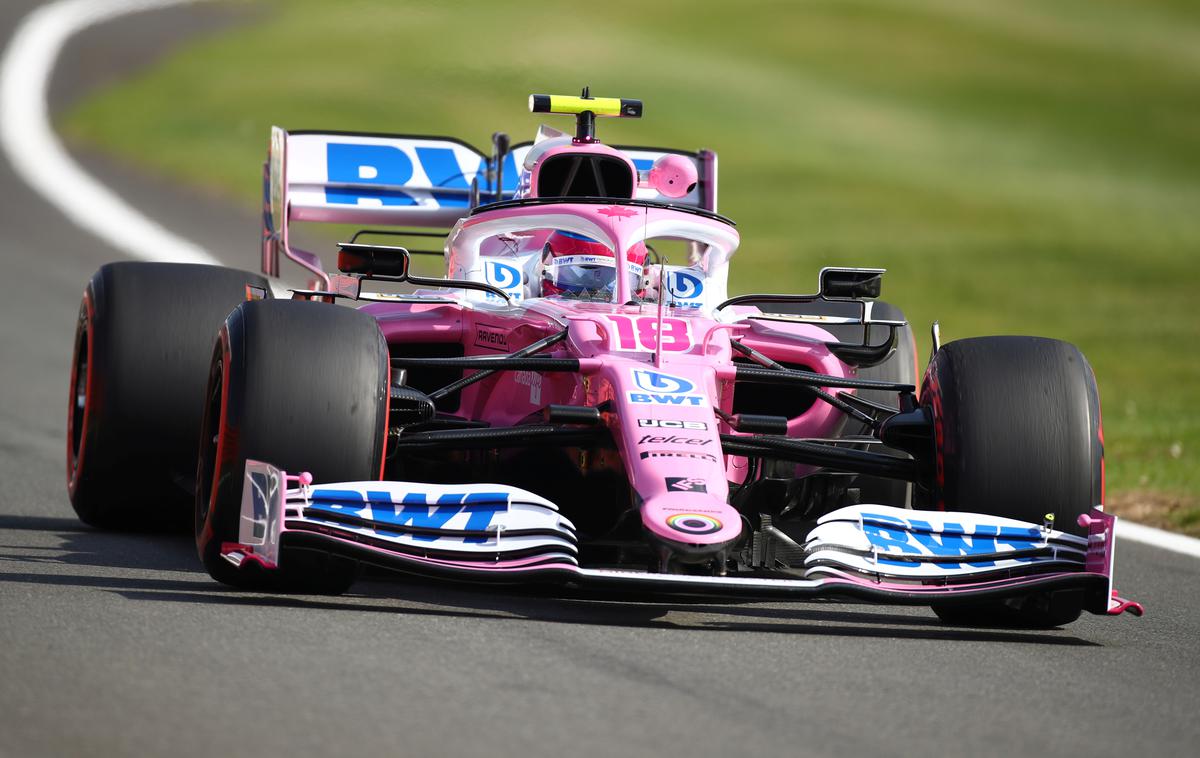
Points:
(495, 533)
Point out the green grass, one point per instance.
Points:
(1025, 166)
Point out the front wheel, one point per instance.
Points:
(1017, 434)
(302, 386)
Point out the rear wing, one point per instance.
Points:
(405, 180)
(363, 178)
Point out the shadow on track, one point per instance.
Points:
(66, 541)
(508, 604)
(78, 545)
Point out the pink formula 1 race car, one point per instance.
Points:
(578, 400)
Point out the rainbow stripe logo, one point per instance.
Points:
(694, 523)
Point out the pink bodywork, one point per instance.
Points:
(678, 472)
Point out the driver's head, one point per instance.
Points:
(579, 266)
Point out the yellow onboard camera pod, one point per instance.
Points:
(599, 106)
(585, 109)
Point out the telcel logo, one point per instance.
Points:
(671, 439)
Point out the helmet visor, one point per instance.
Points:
(588, 276)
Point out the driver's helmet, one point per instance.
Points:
(577, 266)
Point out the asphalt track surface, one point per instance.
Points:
(119, 644)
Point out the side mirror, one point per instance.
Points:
(373, 260)
(672, 176)
(851, 283)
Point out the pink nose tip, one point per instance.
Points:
(1085, 520)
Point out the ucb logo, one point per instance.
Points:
(652, 381)
(414, 511)
(684, 285)
(662, 423)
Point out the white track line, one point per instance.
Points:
(39, 158)
(1176, 543)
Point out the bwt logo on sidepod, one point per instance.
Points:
(663, 389)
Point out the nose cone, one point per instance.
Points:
(691, 522)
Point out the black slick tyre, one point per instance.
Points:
(142, 347)
(1017, 433)
(302, 386)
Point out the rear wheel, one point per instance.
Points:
(1017, 434)
(142, 347)
(302, 386)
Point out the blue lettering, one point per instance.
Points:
(883, 537)
(952, 542)
(338, 501)
(1017, 537)
(482, 506)
(414, 510)
(644, 397)
(443, 170)
(367, 164)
